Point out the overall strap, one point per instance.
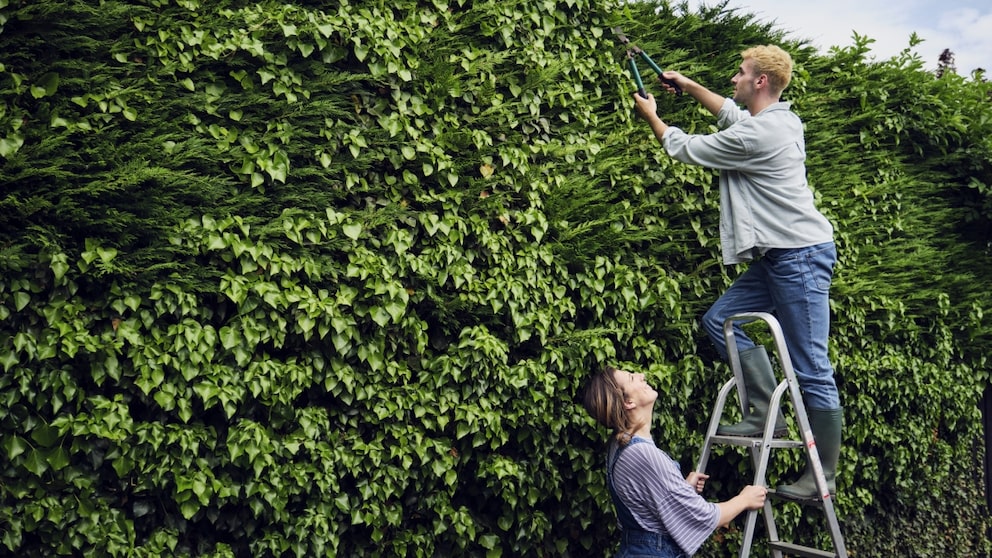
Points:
(626, 518)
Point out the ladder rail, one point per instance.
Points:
(733, 357)
(721, 401)
(760, 460)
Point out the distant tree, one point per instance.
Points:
(946, 63)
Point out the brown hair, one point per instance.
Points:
(603, 401)
(773, 62)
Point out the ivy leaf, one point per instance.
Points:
(266, 76)
(36, 462)
(45, 436)
(352, 230)
(396, 309)
(58, 458)
(325, 29)
(14, 446)
(21, 300)
(189, 508)
(8, 358)
(10, 144)
(165, 400)
(361, 51)
(380, 316)
(106, 254)
(207, 392)
(123, 465)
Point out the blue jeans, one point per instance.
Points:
(643, 544)
(794, 285)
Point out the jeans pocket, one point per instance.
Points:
(819, 269)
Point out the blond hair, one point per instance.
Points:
(773, 62)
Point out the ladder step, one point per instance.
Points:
(799, 550)
(755, 442)
(817, 501)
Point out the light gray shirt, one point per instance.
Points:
(652, 487)
(765, 201)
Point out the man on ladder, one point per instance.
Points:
(768, 218)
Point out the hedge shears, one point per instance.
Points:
(632, 52)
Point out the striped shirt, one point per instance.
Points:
(651, 485)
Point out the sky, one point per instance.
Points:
(963, 26)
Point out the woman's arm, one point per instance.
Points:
(750, 498)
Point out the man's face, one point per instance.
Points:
(745, 82)
(636, 391)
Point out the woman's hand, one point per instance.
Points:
(754, 496)
(697, 480)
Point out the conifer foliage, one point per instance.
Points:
(327, 278)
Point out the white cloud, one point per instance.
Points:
(968, 33)
(963, 26)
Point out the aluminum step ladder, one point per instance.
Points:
(762, 446)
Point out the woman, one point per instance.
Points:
(659, 513)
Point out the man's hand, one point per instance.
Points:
(673, 82)
(646, 107)
(710, 100)
(648, 110)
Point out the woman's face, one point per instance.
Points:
(636, 390)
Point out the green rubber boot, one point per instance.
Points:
(759, 379)
(826, 427)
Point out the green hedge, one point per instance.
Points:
(328, 278)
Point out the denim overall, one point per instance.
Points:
(637, 542)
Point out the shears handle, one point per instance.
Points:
(637, 78)
(657, 70)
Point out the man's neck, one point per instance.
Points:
(761, 104)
